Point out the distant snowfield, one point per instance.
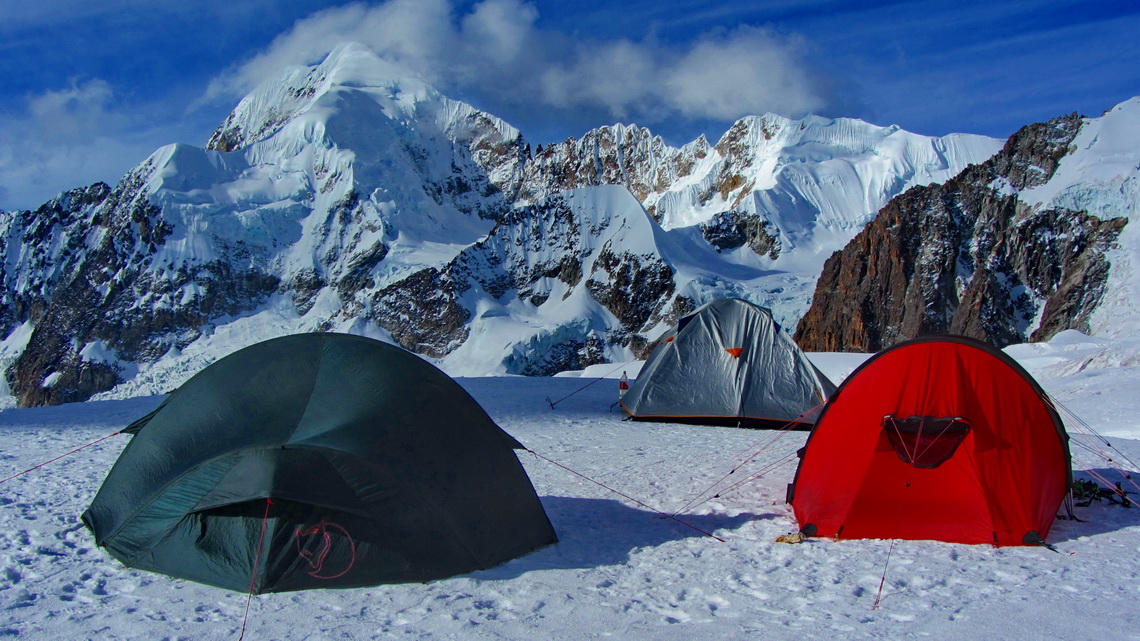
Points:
(619, 570)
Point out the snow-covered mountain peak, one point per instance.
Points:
(1103, 158)
(355, 65)
(699, 147)
(1031, 242)
(351, 77)
(1100, 175)
(350, 195)
(816, 180)
(755, 135)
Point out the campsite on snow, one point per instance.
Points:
(367, 362)
(620, 567)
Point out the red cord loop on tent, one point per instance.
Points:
(99, 440)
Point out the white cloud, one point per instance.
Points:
(494, 52)
(73, 114)
(413, 33)
(498, 51)
(619, 76)
(719, 77)
(68, 138)
(502, 30)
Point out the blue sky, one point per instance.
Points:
(91, 88)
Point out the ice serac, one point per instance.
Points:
(352, 196)
(577, 278)
(1032, 242)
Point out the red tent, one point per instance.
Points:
(942, 438)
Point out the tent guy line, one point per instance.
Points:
(596, 380)
(619, 493)
(780, 462)
(883, 580)
(1087, 433)
(697, 500)
(256, 563)
(64, 455)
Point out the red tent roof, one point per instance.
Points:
(872, 468)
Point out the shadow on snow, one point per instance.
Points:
(1102, 516)
(599, 532)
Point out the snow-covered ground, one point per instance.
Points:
(620, 570)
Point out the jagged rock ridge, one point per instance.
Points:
(969, 257)
(350, 196)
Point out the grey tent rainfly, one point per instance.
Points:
(728, 363)
(315, 461)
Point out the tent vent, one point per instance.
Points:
(925, 441)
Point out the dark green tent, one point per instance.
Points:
(326, 460)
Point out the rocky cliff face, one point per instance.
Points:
(969, 257)
(97, 290)
(350, 196)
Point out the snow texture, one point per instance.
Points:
(620, 570)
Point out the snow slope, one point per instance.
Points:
(1101, 175)
(620, 569)
(351, 196)
(818, 180)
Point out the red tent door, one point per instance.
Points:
(911, 494)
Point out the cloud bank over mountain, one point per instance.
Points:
(551, 68)
(498, 45)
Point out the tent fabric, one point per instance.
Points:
(327, 460)
(728, 363)
(871, 467)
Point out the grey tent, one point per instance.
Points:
(323, 460)
(728, 363)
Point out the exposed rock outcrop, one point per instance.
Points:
(968, 257)
(351, 196)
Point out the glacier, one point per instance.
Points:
(352, 196)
